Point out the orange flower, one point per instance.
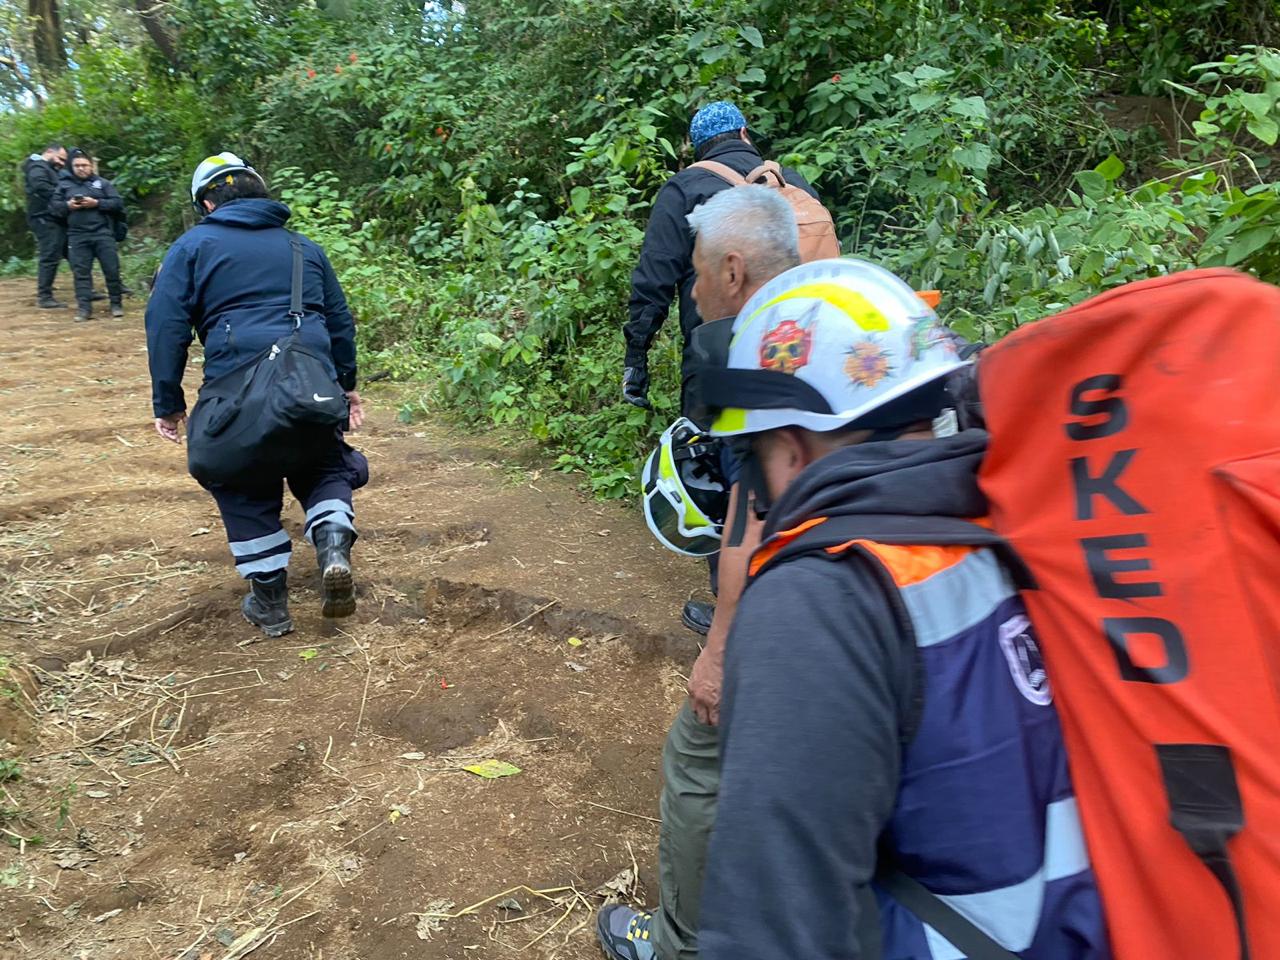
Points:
(836, 78)
(353, 58)
(311, 74)
(338, 68)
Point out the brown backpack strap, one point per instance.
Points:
(724, 172)
(767, 169)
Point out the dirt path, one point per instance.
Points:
(187, 793)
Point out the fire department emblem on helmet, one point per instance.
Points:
(786, 347)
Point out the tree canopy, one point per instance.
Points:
(481, 171)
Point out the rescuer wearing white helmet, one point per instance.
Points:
(885, 714)
(228, 281)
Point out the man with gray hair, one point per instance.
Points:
(742, 238)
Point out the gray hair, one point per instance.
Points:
(753, 221)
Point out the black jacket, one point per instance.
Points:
(666, 259)
(821, 691)
(98, 219)
(40, 180)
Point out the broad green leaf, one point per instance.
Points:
(1265, 129)
(1258, 104)
(921, 102)
(1092, 183)
(1249, 243)
(580, 197)
(970, 107)
(927, 73)
(752, 36)
(1110, 168)
(752, 75)
(717, 53)
(975, 156)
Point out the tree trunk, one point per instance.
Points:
(46, 36)
(157, 31)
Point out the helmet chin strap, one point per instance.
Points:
(753, 493)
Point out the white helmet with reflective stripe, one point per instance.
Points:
(825, 345)
(211, 168)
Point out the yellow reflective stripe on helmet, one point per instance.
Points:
(693, 517)
(216, 161)
(730, 420)
(858, 308)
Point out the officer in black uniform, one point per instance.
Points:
(90, 205)
(40, 180)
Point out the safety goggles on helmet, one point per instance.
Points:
(212, 169)
(685, 494)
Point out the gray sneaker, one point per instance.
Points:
(117, 311)
(83, 316)
(624, 933)
(48, 303)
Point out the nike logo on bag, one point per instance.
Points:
(319, 399)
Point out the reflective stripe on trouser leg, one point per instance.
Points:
(337, 512)
(262, 556)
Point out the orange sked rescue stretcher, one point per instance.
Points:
(1134, 466)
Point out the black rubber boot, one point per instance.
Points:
(333, 554)
(697, 616)
(267, 604)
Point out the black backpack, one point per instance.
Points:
(120, 226)
(273, 417)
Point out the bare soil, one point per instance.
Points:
(188, 793)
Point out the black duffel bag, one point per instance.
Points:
(275, 416)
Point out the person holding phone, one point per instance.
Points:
(89, 204)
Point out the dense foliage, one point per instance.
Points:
(481, 172)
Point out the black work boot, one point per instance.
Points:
(48, 303)
(333, 554)
(267, 604)
(697, 615)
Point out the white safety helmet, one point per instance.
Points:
(213, 168)
(825, 345)
(685, 494)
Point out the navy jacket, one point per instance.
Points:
(666, 259)
(97, 219)
(227, 281)
(40, 180)
(845, 727)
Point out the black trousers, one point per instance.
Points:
(51, 245)
(83, 249)
(259, 543)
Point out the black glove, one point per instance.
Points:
(635, 387)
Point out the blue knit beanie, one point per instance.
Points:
(713, 120)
